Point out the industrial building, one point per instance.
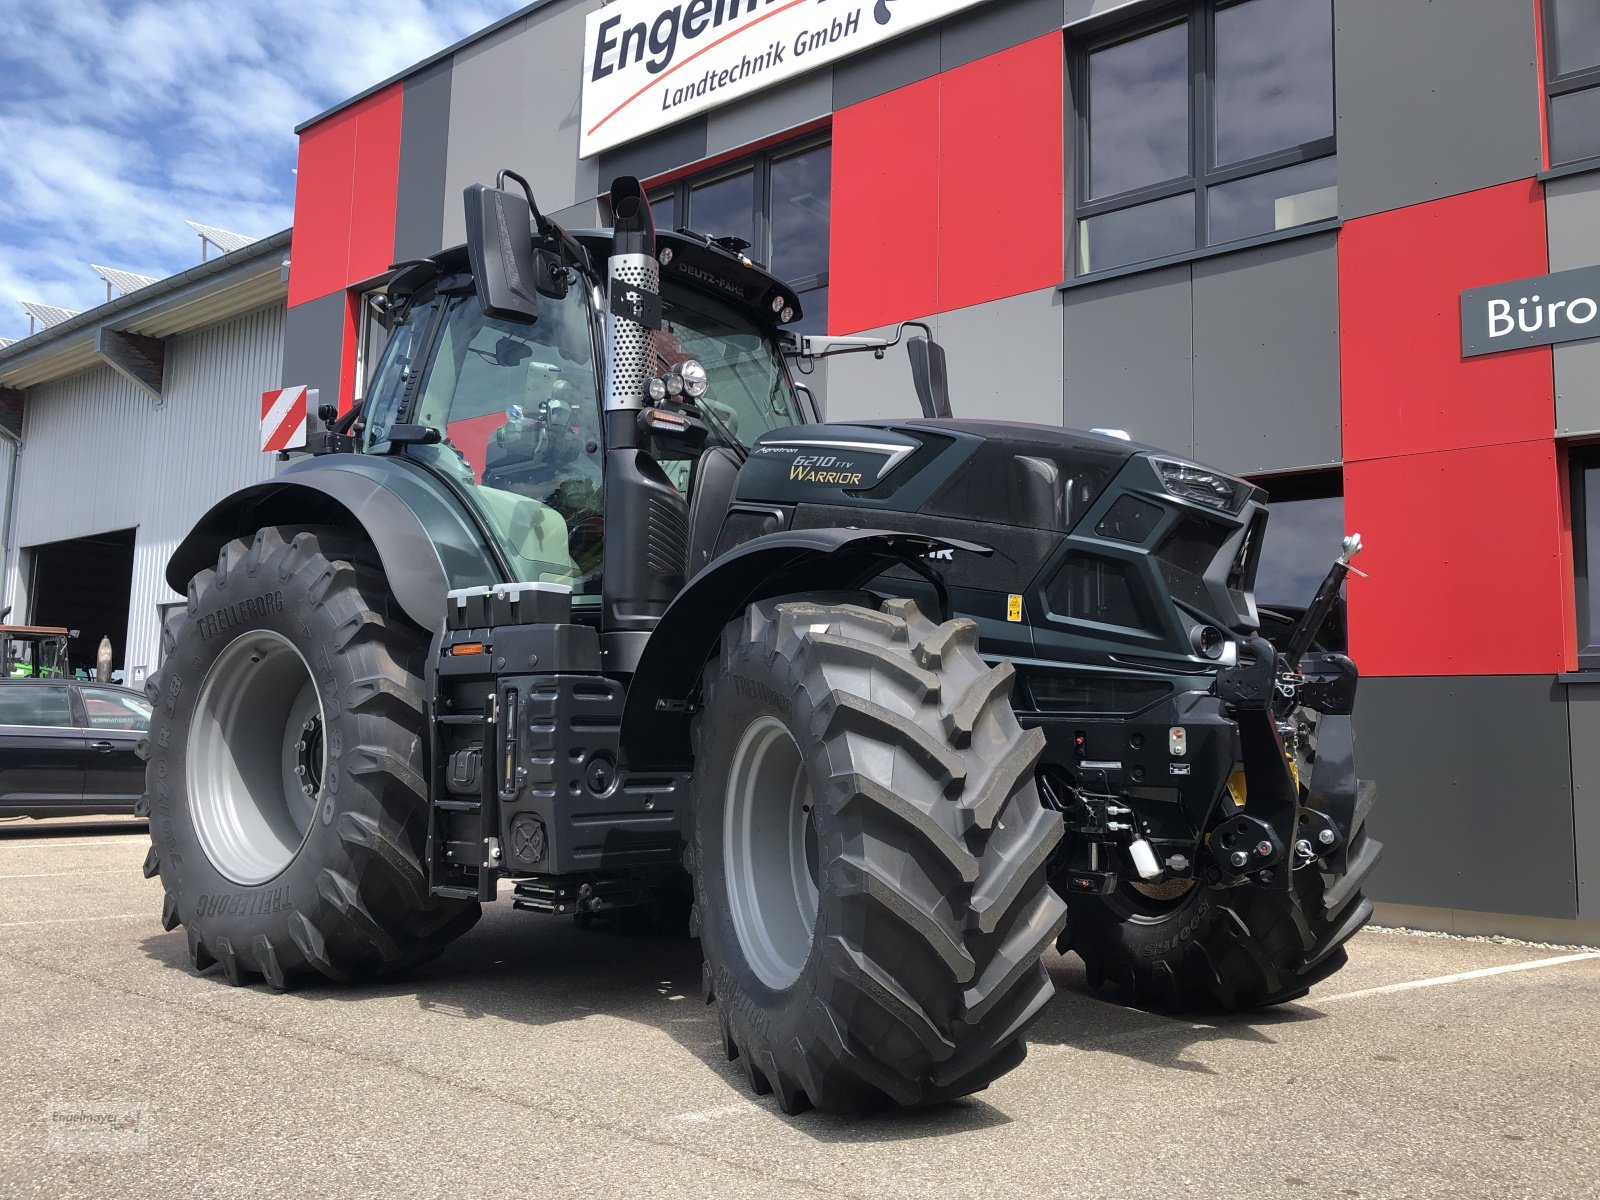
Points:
(119, 427)
(1347, 248)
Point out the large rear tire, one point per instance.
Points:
(285, 788)
(869, 856)
(1223, 949)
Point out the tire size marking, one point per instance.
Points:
(752, 689)
(243, 904)
(233, 615)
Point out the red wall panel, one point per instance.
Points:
(344, 200)
(1000, 175)
(1406, 388)
(948, 192)
(882, 263)
(1468, 569)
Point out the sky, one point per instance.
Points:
(119, 119)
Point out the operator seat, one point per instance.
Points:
(534, 531)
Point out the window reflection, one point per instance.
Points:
(725, 208)
(1274, 201)
(1131, 235)
(1138, 112)
(1274, 77)
(801, 192)
(1577, 40)
(1302, 541)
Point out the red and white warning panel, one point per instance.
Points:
(283, 417)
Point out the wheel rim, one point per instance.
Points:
(256, 757)
(770, 853)
(1150, 903)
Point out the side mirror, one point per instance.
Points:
(929, 374)
(500, 252)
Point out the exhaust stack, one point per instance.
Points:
(633, 301)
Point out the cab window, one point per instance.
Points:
(519, 413)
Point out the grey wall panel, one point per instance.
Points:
(1572, 211)
(1434, 99)
(1266, 357)
(1583, 712)
(663, 151)
(766, 113)
(991, 28)
(1127, 363)
(1005, 358)
(424, 147)
(860, 386)
(514, 100)
(98, 455)
(312, 343)
(892, 65)
(1078, 11)
(1474, 792)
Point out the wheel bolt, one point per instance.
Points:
(300, 746)
(1303, 847)
(1238, 858)
(300, 770)
(306, 788)
(1263, 848)
(1326, 837)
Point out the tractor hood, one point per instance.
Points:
(1032, 476)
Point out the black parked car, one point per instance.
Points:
(67, 748)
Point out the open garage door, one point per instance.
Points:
(84, 584)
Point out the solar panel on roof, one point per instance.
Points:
(123, 281)
(221, 238)
(46, 315)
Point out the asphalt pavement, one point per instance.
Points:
(535, 1058)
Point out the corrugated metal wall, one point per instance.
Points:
(98, 454)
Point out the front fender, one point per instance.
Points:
(425, 541)
(655, 718)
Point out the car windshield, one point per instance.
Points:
(748, 387)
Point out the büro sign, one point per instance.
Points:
(1544, 310)
(649, 63)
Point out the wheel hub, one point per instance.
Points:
(771, 853)
(257, 757)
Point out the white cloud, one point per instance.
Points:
(119, 120)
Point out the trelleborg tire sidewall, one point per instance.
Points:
(208, 901)
(751, 689)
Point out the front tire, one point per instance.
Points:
(285, 787)
(869, 856)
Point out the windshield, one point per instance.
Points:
(518, 408)
(748, 388)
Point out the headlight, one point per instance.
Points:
(695, 381)
(674, 384)
(1202, 485)
(656, 390)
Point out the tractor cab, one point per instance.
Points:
(511, 412)
(35, 651)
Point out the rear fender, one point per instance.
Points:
(425, 541)
(655, 719)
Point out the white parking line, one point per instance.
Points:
(1442, 979)
(78, 920)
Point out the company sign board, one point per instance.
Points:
(650, 63)
(1544, 310)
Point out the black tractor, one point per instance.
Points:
(586, 597)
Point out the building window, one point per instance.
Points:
(1572, 68)
(1305, 526)
(778, 203)
(1585, 472)
(1172, 157)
